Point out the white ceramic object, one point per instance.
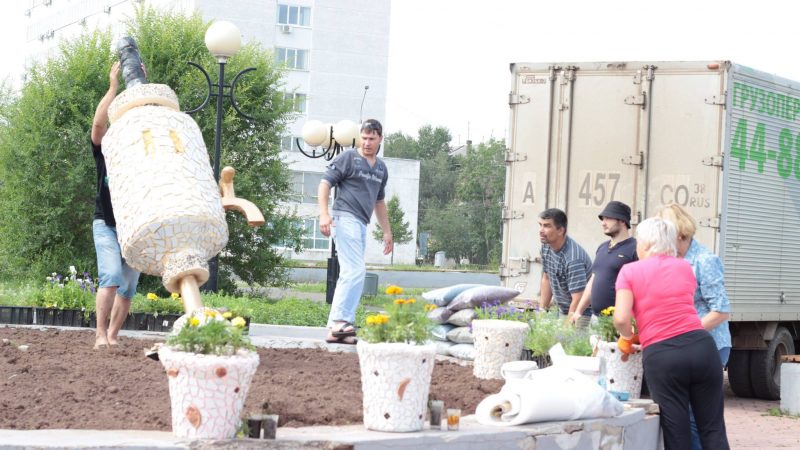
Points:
(621, 376)
(167, 205)
(207, 391)
(517, 369)
(496, 343)
(395, 380)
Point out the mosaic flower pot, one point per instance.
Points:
(207, 391)
(496, 343)
(621, 376)
(395, 380)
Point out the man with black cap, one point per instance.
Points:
(609, 259)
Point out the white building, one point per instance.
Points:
(337, 56)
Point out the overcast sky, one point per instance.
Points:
(449, 59)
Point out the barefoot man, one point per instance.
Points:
(117, 279)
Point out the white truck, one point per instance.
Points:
(721, 139)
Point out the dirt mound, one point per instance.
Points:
(61, 382)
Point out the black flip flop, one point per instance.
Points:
(347, 340)
(340, 333)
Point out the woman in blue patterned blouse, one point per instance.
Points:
(710, 299)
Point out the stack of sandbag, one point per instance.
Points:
(455, 312)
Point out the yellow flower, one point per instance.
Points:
(175, 296)
(238, 322)
(429, 307)
(210, 313)
(608, 311)
(227, 314)
(394, 290)
(382, 319)
(194, 321)
(411, 301)
(151, 296)
(371, 320)
(399, 301)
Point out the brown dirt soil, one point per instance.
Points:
(61, 382)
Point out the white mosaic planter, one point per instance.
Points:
(622, 376)
(395, 380)
(496, 343)
(167, 205)
(207, 391)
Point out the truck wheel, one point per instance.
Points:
(739, 373)
(765, 365)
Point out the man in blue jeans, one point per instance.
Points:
(117, 279)
(360, 177)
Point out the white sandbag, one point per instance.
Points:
(545, 395)
(439, 332)
(463, 351)
(462, 318)
(460, 335)
(443, 347)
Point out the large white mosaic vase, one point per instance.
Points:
(207, 391)
(496, 343)
(622, 376)
(395, 381)
(170, 219)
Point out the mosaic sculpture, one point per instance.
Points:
(169, 211)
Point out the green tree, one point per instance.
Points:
(48, 174)
(401, 231)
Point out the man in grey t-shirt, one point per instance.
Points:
(360, 177)
(565, 265)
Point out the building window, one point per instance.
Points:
(305, 185)
(292, 58)
(298, 101)
(313, 239)
(294, 15)
(288, 143)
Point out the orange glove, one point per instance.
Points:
(626, 345)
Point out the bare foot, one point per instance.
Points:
(100, 341)
(113, 340)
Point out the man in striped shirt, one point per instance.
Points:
(566, 266)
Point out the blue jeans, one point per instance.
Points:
(724, 354)
(350, 236)
(112, 270)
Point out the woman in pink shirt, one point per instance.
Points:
(681, 362)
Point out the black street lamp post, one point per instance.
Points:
(223, 41)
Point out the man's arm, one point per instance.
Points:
(584, 302)
(382, 213)
(323, 193)
(546, 292)
(576, 298)
(100, 121)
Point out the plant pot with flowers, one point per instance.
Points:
(210, 363)
(499, 332)
(623, 373)
(396, 356)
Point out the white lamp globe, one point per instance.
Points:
(358, 138)
(345, 131)
(223, 39)
(315, 133)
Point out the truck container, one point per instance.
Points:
(720, 139)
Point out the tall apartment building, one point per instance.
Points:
(336, 53)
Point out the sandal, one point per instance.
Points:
(347, 340)
(341, 332)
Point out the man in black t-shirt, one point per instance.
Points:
(117, 280)
(609, 259)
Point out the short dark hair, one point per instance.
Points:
(372, 125)
(559, 217)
